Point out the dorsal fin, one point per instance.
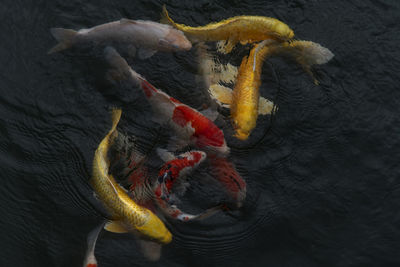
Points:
(123, 20)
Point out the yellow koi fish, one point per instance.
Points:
(245, 101)
(127, 215)
(244, 29)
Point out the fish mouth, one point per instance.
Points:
(241, 135)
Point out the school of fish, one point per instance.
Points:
(139, 198)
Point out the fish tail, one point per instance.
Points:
(307, 54)
(90, 259)
(165, 18)
(65, 37)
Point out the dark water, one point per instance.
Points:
(323, 174)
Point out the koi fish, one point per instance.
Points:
(233, 183)
(138, 37)
(189, 125)
(148, 192)
(128, 215)
(127, 165)
(244, 29)
(245, 101)
(174, 169)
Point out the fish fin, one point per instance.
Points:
(222, 94)
(65, 38)
(115, 117)
(165, 18)
(210, 113)
(165, 155)
(265, 106)
(225, 47)
(115, 227)
(144, 53)
(307, 54)
(150, 249)
(208, 213)
(124, 20)
(313, 53)
(90, 259)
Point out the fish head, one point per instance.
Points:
(242, 129)
(242, 135)
(174, 40)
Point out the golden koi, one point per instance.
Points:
(128, 215)
(245, 102)
(244, 29)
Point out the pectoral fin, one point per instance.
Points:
(222, 94)
(265, 106)
(225, 47)
(115, 227)
(144, 53)
(165, 155)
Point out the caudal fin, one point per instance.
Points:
(313, 53)
(90, 259)
(165, 17)
(65, 38)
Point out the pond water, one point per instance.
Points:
(322, 174)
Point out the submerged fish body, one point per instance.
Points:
(226, 174)
(245, 29)
(174, 169)
(125, 211)
(139, 37)
(189, 125)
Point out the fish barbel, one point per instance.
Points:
(244, 29)
(125, 211)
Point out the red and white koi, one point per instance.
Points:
(190, 126)
(174, 169)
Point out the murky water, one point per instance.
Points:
(322, 173)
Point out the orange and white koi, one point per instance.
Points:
(244, 29)
(189, 125)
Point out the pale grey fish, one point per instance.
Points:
(140, 37)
